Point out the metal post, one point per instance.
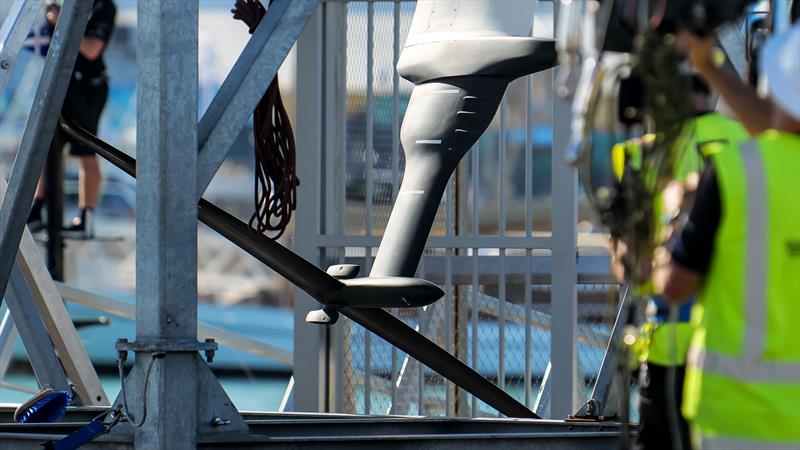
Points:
(39, 130)
(425, 316)
(309, 341)
(564, 298)
(562, 379)
(332, 209)
(54, 186)
(527, 305)
(501, 231)
(395, 165)
(449, 310)
(166, 222)
(368, 219)
(528, 301)
(476, 181)
(460, 291)
(474, 323)
(180, 394)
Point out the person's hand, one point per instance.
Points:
(702, 52)
(622, 259)
(250, 12)
(673, 200)
(52, 14)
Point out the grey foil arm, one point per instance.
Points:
(446, 115)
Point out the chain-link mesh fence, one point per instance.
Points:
(506, 341)
(495, 315)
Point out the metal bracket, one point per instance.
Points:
(344, 271)
(328, 315)
(591, 409)
(209, 346)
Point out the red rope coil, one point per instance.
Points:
(275, 191)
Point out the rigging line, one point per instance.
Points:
(275, 187)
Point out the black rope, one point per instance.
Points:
(275, 191)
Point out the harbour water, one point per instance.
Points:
(256, 383)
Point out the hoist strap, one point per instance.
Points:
(78, 437)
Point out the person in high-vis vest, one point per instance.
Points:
(666, 339)
(740, 251)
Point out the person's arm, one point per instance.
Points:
(98, 30)
(91, 47)
(674, 282)
(753, 112)
(680, 273)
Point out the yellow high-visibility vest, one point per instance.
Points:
(704, 136)
(743, 368)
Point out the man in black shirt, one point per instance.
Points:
(86, 96)
(693, 247)
(739, 249)
(692, 250)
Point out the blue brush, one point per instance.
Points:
(47, 406)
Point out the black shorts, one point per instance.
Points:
(83, 103)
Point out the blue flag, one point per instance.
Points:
(38, 40)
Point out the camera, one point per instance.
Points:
(703, 17)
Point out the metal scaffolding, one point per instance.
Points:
(173, 399)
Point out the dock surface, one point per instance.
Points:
(345, 431)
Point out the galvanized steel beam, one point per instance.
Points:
(39, 130)
(169, 380)
(41, 354)
(32, 280)
(246, 82)
(58, 323)
(15, 28)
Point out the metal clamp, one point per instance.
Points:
(209, 346)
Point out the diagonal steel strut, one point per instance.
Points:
(315, 281)
(39, 130)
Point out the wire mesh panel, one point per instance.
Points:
(490, 248)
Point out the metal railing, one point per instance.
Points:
(127, 310)
(491, 248)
